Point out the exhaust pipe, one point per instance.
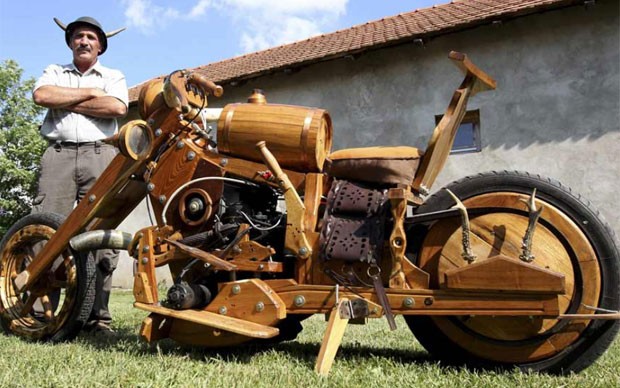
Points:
(101, 239)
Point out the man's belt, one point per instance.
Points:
(70, 144)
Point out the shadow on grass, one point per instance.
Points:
(126, 340)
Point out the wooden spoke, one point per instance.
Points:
(48, 308)
(28, 305)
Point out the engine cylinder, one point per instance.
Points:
(183, 296)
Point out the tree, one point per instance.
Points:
(21, 146)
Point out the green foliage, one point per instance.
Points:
(370, 356)
(21, 146)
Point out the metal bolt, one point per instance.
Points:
(162, 199)
(145, 260)
(398, 242)
(223, 310)
(91, 198)
(191, 155)
(260, 306)
(303, 251)
(150, 187)
(261, 267)
(408, 302)
(158, 132)
(236, 289)
(428, 301)
(223, 162)
(146, 249)
(299, 300)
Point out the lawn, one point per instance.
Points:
(370, 356)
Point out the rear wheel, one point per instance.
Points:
(56, 307)
(570, 238)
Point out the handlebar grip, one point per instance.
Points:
(206, 85)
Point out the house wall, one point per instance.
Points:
(556, 110)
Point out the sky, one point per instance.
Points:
(163, 36)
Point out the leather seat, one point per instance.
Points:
(383, 165)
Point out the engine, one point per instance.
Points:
(244, 211)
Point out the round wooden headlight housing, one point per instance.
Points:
(135, 140)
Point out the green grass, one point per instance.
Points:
(370, 356)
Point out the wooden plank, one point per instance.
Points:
(501, 273)
(332, 339)
(218, 321)
(320, 299)
(207, 257)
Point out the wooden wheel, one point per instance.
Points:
(569, 239)
(57, 306)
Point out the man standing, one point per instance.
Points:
(83, 99)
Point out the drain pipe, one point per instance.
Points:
(101, 239)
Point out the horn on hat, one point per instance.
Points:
(107, 34)
(112, 33)
(60, 24)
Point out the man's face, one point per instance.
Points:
(85, 45)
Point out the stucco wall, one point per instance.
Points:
(556, 110)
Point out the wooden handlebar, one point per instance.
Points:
(483, 80)
(206, 85)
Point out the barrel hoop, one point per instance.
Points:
(304, 136)
(225, 146)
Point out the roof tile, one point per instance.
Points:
(435, 20)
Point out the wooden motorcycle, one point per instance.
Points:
(266, 227)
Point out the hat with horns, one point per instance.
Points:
(90, 22)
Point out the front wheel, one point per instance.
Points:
(570, 238)
(58, 305)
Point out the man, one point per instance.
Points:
(83, 99)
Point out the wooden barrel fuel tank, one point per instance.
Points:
(299, 137)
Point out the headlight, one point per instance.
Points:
(135, 140)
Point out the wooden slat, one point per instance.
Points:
(332, 339)
(501, 273)
(217, 321)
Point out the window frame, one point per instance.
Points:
(471, 117)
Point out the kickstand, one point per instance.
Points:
(332, 339)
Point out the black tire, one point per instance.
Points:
(477, 348)
(56, 308)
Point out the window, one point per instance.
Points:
(467, 135)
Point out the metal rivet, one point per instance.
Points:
(145, 260)
(146, 249)
(180, 144)
(158, 132)
(408, 302)
(162, 199)
(236, 289)
(303, 251)
(260, 306)
(428, 301)
(223, 162)
(299, 300)
(150, 121)
(398, 242)
(150, 187)
(191, 155)
(223, 310)
(261, 267)
(92, 198)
